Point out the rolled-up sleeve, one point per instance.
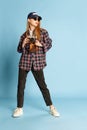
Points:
(47, 41)
(19, 48)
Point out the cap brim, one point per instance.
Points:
(34, 16)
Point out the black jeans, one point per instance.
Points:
(39, 77)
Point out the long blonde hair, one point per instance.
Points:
(36, 32)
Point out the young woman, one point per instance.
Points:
(33, 45)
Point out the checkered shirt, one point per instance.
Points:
(37, 59)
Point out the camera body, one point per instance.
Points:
(30, 45)
(33, 47)
(32, 40)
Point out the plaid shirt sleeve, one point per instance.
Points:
(19, 48)
(46, 42)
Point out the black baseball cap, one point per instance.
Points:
(33, 15)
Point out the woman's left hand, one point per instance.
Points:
(37, 43)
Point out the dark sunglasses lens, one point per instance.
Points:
(36, 18)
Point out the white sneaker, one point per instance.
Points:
(54, 112)
(18, 112)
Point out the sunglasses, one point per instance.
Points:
(36, 18)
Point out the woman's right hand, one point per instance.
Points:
(26, 40)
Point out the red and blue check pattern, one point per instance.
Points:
(37, 59)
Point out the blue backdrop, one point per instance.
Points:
(66, 22)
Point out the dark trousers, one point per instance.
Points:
(39, 77)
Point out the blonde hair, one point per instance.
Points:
(36, 32)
